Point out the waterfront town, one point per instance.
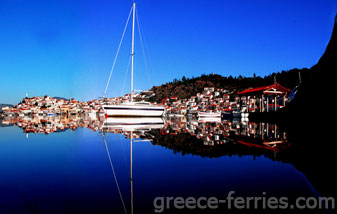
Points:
(229, 103)
(50, 115)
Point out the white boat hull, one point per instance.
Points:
(209, 114)
(133, 123)
(209, 119)
(133, 110)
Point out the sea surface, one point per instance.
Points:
(76, 165)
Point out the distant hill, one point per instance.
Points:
(4, 105)
(61, 98)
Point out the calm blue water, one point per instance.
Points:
(69, 172)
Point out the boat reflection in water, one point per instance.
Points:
(210, 137)
(182, 135)
(132, 123)
(134, 128)
(179, 131)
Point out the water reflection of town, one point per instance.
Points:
(182, 134)
(51, 124)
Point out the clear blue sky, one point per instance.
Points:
(66, 47)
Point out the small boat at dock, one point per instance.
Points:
(209, 120)
(209, 114)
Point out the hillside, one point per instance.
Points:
(186, 87)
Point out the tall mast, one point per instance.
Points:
(132, 45)
(131, 181)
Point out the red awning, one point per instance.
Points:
(264, 88)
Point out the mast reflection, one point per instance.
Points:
(133, 129)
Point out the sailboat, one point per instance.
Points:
(133, 109)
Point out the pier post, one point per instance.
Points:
(275, 103)
(275, 131)
(267, 130)
(259, 103)
(247, 103)
(260, 129)
(255, 103)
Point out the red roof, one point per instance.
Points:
(264, 88)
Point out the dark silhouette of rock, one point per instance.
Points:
(309, 120)
(316, 93)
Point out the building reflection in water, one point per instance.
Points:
(185, 135)
(212, 132)
(172, 130)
